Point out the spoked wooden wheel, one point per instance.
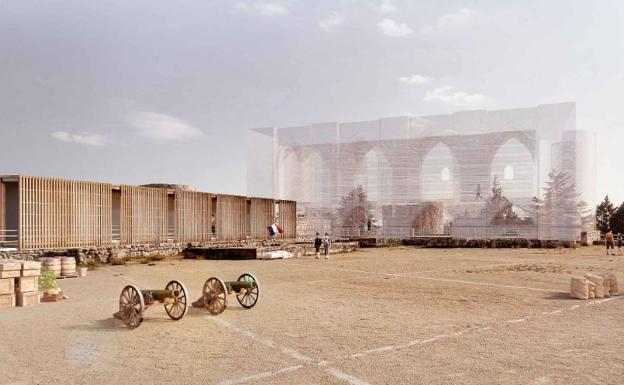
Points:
(178, 309)
(248, 297)
(215, 294)
(131, 306)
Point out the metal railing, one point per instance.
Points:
(116, 233)
(9, 238)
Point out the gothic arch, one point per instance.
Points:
(438, 177)
(514, 167)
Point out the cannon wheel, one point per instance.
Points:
(178, 309)
(215, 295)
(131, 306)
(250, 297)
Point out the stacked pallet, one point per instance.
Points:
(27, 284)
(9, 270)
(19, 283)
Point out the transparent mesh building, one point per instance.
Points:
(524, 172)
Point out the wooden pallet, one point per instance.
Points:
(67, 276)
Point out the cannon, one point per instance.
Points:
(215, 292)
(133, 302)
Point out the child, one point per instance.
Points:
(317, 245)
(326, 245)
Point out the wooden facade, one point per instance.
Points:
(144, 213)
(52, 213)
(2, 210)
(57, 213)
(288, 218)
(193, 212)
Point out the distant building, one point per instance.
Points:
(48, 213)
(445, 165)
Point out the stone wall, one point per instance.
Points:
(110, 254)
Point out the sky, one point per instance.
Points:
(149, 91)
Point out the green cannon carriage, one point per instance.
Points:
(214, 294)
(133, 302)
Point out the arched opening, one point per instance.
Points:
(437, 177)
(509, 172)
(290, 177)
(514, 168)
(445, 175)
(375, 175)
(314, 179)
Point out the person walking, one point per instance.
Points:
(317, 245)
(326, 245)
(619, 243)
(610, 242)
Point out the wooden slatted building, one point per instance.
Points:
(50, 213)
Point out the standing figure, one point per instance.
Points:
(326, 245)
(478, 196)
(610, 242)
(317, 245)
(213, 225)
(619, 243)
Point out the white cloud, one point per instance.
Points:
(267, 9)
(163, 127)
(386, 6)
(449, 95)
(449, 20)
(81, 138)
(331, 22)
(415, 79)
(391, 28)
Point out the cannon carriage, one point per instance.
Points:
(214, 294)
(133, 302)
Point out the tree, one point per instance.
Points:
(429, 219)
(604, 212)
(617, 220)
(562, 210)
(355, 208)
(499, 210)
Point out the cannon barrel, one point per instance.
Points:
(238, 285)
(159, 295)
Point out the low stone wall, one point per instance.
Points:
(300, 249)
(488, 243)
(99, 254)
(119, 253)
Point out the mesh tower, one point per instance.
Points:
(473, 174)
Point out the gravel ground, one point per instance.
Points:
(376, 316)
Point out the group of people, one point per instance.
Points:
(611, 240)
(318, 242)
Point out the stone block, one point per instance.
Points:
(26, 284)
(26, 299)
(7, 286)
(7, 300)
(30, 273)
(10, 274)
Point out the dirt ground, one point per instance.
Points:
(375, 316)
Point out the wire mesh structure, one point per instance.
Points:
(472, 174)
